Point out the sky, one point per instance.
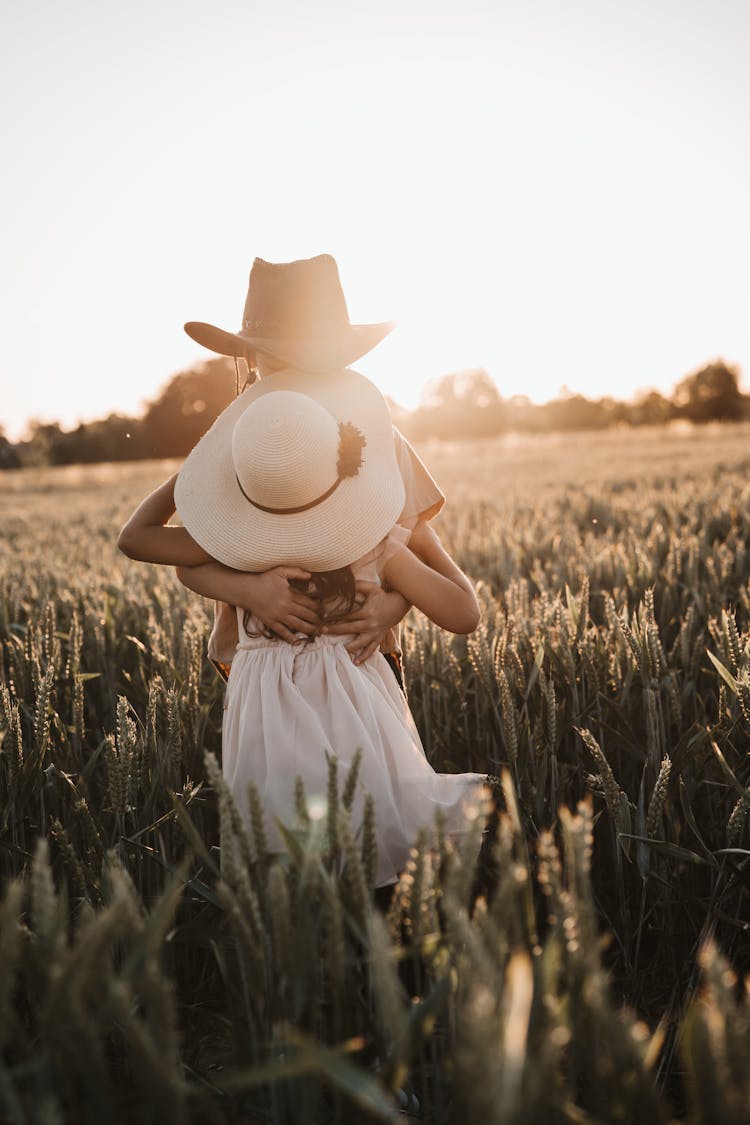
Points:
(555, 191)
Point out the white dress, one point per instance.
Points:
(287, 705)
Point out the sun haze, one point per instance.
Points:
(554, 192)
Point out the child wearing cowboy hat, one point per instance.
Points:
(295, 316)
(301, 473)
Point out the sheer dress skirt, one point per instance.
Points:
(288, 706)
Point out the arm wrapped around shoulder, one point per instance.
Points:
(428, 577)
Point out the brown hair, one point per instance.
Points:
(338, 588)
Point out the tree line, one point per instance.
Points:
(466, 404)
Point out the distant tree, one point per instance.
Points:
(462, 405)
(575, 412)
(651, 409)
(617, 413)
(711, 393)
(42, 446)
(475, 388)
(518, 414)
(8, 453)
(187, 407)
(114, 438)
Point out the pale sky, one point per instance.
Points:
(553, 189)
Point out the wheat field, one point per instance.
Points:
(591, 970)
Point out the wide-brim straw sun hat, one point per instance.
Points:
(296, 312)
(300, 470)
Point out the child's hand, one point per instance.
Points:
(369, 621)
(277, 605)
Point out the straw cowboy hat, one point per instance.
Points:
(300, 470)
(295, 311)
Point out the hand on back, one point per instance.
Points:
(278, 605)
(377, 612)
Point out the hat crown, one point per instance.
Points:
(284, 449)
(294, 299)
(295, 312)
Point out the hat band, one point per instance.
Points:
(295, 327)
(290, 511)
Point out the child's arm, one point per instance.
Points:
(433, 583)
(147, 538)
(275, 603)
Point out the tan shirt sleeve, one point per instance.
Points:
(423, 497)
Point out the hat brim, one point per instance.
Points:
(338, 349)
(333, 534)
